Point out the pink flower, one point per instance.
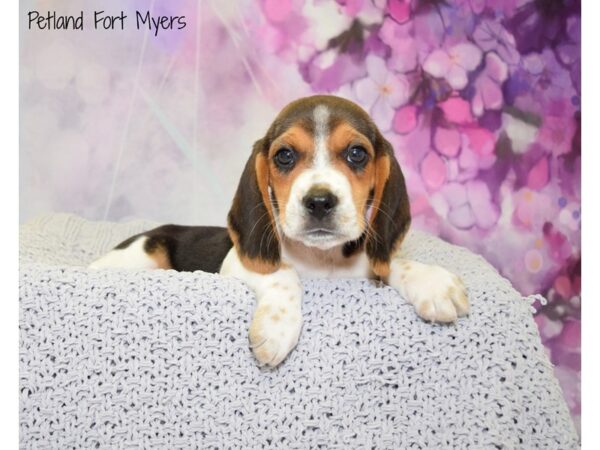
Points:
(433, 171)
(399, 10)
(563, 286)
(447, 141)
(480, 140)
(485, 211)
(534, 260)
(404, 47)
(382, 91)
(532, 208)
(277, 10)
(538, 175)
(556, 134)
(469, 205)
(559, 247)
(414, 144)
(405, 119)
(453, 64)
(488, 86)
(477, 152)
(457, 110)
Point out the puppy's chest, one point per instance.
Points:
(314, 263)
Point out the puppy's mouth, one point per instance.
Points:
(321, 233)
(322, 237)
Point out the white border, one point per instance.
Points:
(591, 225)
(9, 169)
(8, 177)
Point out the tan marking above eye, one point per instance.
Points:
(303, 143)
(363, 181)
(297, 138)
(345, 135)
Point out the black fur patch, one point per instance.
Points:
(249, 219)
(127, 242)
(188, 248)
(393, 220)
(352, 247)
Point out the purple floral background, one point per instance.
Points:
(481, 99)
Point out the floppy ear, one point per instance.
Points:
(390, 218)
(251, 223)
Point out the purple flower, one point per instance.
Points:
(404, 47)
(490, 35)
(399, 10)
(468, 205)
(498, 7)
(488, 86)
(568, 52)
(382, 91)
(453, 64)
(540, 23)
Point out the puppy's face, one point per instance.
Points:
(321, 173)
(314, 177)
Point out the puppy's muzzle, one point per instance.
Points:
(319, 203)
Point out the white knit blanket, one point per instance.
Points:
(160, 359)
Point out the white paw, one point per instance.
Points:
(274, 331)
(437, 294)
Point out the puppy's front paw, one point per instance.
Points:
(274, 331)
(437, 294)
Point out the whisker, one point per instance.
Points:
(257, 222)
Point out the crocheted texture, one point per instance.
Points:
(139, 359)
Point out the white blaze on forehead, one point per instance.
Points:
(345, 218)
(321, 118)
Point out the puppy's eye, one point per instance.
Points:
(357, 156)
(285, 158)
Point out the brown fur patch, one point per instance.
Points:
(158, 252)
(303, 142)
(345, 134)
(382, 172)
(381, 269)
(254, 264)
(262, 177)
(361, 182)
(258, 265)
(250, 221)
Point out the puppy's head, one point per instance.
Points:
(322, 175)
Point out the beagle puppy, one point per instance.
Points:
(322, 195)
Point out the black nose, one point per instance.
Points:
(320, 202)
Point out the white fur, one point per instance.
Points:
(348, 224)
(312, 262)
(131, 257)
(437, 294)
(277, 319)
(321, 119)
(347, 220)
